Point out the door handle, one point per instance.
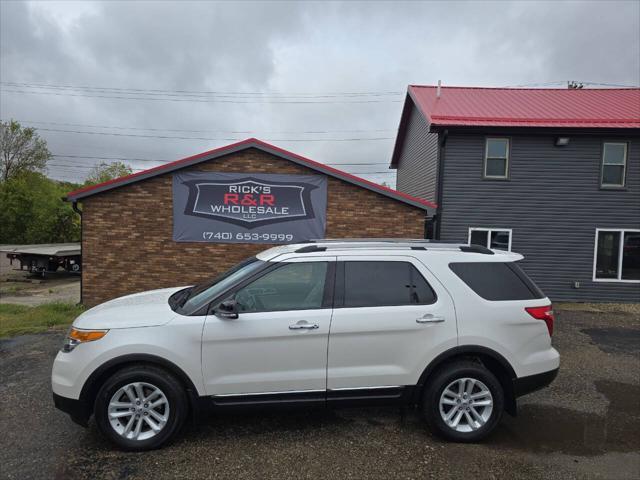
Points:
(304, 326)
(430, 318)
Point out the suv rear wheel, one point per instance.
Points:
(141, 407)
(463, 402)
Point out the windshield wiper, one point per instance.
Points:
(184, 296)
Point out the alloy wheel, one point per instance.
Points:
(466, 405)
(138, 411)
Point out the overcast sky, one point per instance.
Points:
(279, 70)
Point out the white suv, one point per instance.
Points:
(458, 331)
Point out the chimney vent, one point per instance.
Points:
(438, 90)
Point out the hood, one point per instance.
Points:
(145, 309)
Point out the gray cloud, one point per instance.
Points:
(288, 47)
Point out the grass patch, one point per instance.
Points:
(20, 319)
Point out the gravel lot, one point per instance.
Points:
(22, 288)
(586, 425)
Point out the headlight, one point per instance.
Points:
(77, 336)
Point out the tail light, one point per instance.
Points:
(543, 313)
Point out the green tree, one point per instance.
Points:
(107, 171)
(21, 150)
(33, 211)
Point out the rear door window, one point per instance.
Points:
(377, 283)
(497, 281)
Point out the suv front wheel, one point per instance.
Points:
(463, 402)
(141, 407)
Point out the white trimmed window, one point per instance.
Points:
(616, 256)
(498, 238)
(496, 158)
(614, 164)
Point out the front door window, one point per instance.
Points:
(293, 286)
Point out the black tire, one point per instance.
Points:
(440, 380)
(173, 390)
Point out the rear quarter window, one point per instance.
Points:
(497, 281)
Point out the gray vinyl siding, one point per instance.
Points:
(552, 201)
(418, 159)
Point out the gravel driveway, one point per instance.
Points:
(22, 288)
(586, 425)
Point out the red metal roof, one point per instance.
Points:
(528, 107)
(243, 145)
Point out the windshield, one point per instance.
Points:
(191, 299)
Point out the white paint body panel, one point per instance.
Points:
(258, 353)
(376, 346)
(352, 347)
(146, 309)
(178, 340)
(504, 327)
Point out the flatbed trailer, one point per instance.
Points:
(46, 258)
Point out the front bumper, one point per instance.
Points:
(79, 411)
(531, 383)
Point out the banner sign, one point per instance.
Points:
(248, 208)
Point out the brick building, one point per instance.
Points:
(127, 243)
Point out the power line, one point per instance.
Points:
(84, 167)
(131, 159)
(199, 100)
(121, 91)
(304, 132)
(532, 85)
(90, 167)
(566, 82)
(200, 93)
(167, 160)
(619, 85)
(74, 165)
(85, 170)
(114, 134)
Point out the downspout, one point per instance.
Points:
(74, 205)
(442, 141)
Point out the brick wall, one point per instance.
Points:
(127, 241)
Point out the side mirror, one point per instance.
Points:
(227, 310)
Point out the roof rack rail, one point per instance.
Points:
(310, 248)
(322, 245)
(476, 249)
(369, 240)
